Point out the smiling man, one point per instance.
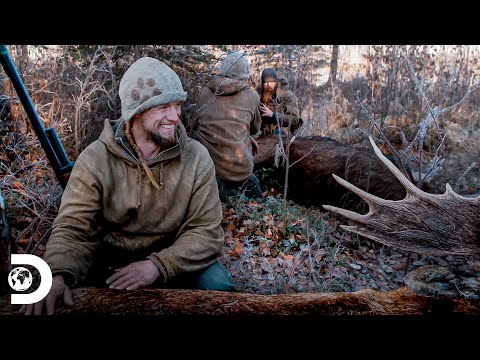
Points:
(141, 207)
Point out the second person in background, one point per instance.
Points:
(227, 116)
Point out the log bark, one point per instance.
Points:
(175, 302)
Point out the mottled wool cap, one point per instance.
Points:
(148, 82)
(235, 65)
(269, 74)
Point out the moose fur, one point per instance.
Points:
(178, 302)
(314, 159)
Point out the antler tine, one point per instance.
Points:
(433, 224)
(392, 240)
(347, 213)
(369, 198)
(395, 171)
(356, 230)
(449, 192)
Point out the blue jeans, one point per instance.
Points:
(251, 188)
(214, 277)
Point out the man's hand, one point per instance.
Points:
(134, 276)
(58, 289)
(265, 110)
(254, 146)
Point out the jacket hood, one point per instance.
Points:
(222, 85)
(113, 136)
(235, 65)
(269, 74)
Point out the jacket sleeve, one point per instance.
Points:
(256, 122)
(200, 239)
(72, 242)
(291, 112)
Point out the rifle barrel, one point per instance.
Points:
(54, 159)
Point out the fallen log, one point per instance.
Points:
(313, 159)
(176, 302)
(431, 224)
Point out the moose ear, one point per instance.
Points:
(432, 224)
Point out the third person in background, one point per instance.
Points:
(279, 105)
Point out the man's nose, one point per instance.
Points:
(172, 114)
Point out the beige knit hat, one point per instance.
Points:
(148, 82)
(235, 65)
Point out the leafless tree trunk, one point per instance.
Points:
(333, 65)
(22, 58)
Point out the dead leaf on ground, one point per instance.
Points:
(239, 248)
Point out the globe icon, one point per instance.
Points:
(20, 279)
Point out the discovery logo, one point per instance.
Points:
(20, 279)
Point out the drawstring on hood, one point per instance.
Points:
(161, 175)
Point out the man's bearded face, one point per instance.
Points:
(269, 90)
(160, 140)
(159, 123)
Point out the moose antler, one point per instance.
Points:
(432, 224)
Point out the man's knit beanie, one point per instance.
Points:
(148, 82)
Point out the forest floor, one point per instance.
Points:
(270, 250)
(268, 253)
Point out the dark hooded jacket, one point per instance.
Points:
(228, 114)
(285, 107)
(110, 201)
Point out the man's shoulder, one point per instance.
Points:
(93, 150)
(195, 153)
(285, 94)
(99, 143)
(96, 145)
(252, 93)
